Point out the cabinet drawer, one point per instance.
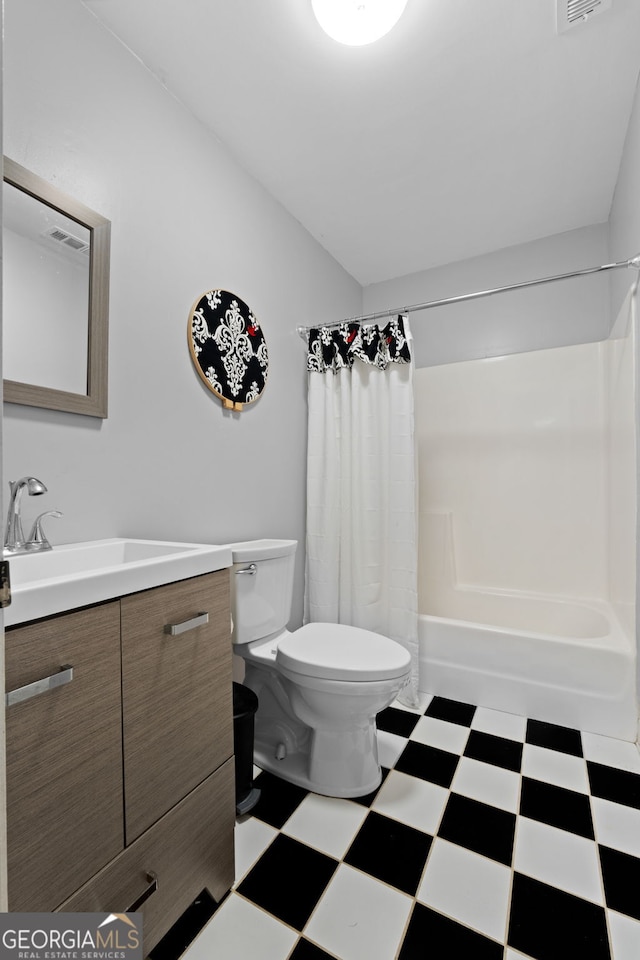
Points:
(64, 755)
(177, 693)
(188, 850)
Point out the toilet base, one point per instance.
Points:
(318, 734)
(294, 768)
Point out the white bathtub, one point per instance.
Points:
(563, 662)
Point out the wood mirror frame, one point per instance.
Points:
(94, 402)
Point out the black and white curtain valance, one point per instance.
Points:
(334, 348)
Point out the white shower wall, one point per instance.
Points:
(622, 470)
(532, 457)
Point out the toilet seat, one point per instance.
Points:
(336, 651)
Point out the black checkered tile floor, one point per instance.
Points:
(491, 837)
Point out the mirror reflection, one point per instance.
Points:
(55, 297)
(45, 294)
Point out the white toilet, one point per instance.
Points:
(319, 688)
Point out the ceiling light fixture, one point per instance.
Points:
(357, 22)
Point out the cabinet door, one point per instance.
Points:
(64, 754)
(190, 849)
(177, 693)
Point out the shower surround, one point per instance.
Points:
(527, 513)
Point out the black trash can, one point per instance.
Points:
(245, 704)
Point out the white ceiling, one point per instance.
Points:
(472, 126)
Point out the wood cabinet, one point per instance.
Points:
(64, 755)
(176, 694)
(172, 862)
(127, 708)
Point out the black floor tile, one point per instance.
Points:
(390, 851)
(495, 750)
(554, 737)
(565, 809)
(397, 721)
(428, 763)
(430, 936)
(186, 928)
(278, 799)
(451, 710)
(548, 924)
(612, 784)
(479, 827)
(621, 878)
(288, 880)
(305, 950)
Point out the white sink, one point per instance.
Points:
(78, 574)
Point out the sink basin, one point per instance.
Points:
(78, 574)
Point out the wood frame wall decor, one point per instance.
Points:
(228, 348)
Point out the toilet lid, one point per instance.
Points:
(334, 651)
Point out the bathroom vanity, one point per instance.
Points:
(120, 779)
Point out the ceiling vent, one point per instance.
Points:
(571, 13)
(67, 239)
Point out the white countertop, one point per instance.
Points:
(78, 574)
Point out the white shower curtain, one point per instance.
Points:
(361, 566)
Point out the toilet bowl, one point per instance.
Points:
(319, 688)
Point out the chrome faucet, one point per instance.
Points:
(14, 539)
(37, 541)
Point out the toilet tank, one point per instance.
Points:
(261, 587)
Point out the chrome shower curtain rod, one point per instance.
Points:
(633, 262)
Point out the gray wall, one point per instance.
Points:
(552, 315)
(82, 112)
(169, 462)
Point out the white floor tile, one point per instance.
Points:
(500, 724)
(472, 889)
(441, 734)
(488, 784)
(514, 955)
(390, 746)
(554, 767)
(613, 753)
(558, 858)
(415, 802)
(616, 825)
(625, 936)
(359, 918)
(252, 837)
(239, 929)
(326, 823)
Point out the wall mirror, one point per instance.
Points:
(55, 297)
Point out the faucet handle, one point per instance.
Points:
(37, 539)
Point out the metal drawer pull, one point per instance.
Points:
(251, 570)
(152, 880)
(39, 686)
(176, 628)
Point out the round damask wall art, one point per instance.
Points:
(228, 348)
